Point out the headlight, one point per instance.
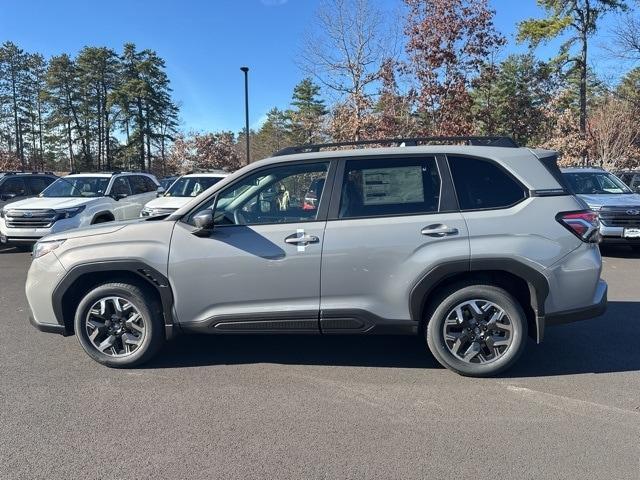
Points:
(42, 248)
(69, 212)
(154, 212)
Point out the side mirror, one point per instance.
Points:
(160, 192)
(118, 196)
(203, 221)
(7, 196)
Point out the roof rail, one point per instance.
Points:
(206, 170)
(25, 172)
(486, 141)
(596, 167)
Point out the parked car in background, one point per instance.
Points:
(180, 192)
(74, 201)
(618, 207)
(16, 186)
(631, 178)
(474, 247)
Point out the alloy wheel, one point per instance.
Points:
(115, 326)
(477, 331)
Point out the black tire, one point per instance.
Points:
(24, 248)
(149, 309)
(454, 296)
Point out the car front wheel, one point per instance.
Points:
(476, 330)
(119, 325)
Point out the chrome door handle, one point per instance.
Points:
(303, 240)
(438, 230)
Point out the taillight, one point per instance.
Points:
(584, 224)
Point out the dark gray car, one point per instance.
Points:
(16, 186)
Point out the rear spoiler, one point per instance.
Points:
(549, 159)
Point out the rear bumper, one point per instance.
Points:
(597, 308)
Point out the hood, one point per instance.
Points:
(50, 202)
(619, 200)
(98, 229)
(168, 202)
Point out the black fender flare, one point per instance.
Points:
(536, 281)
(148, 274)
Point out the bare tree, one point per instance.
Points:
(345, 53)
(626, 38)
(614, 133)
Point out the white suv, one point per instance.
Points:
(76, 201)
(180, 192)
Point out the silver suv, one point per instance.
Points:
(618, 207)
(475, 247)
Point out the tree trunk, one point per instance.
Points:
(70, 143)
(141, 124)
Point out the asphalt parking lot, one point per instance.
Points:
(322, 408)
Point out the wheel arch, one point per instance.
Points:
(526, 284)
(82, 278)
(103, 214)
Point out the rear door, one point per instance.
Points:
(392, 219)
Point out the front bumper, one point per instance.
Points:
(616, 235)
(32, 235)
(597, 308)
(44, 274)
(49, 327)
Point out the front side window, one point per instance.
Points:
(77, 187)
(381, 187)
(481, 184)
(191, 186)
(590, 183)
(277, 195)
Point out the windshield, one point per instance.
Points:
(191, 186)
(77, 187)
(589, 183)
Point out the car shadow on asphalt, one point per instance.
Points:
(618, 251)
(602, 345)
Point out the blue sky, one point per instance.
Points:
(205, 42)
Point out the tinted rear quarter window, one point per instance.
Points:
(481, 184)
(394, 186)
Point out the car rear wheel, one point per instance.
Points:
(119, 325)
(476, 330)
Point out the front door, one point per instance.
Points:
(259, 268)
(394, 221)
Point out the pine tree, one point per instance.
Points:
(307, 115)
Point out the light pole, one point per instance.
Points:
(246, 108)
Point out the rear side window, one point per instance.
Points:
(481, 184)
(38, 184)
(13, 186)
(138, 184)
(149, 185)
(394, 186)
